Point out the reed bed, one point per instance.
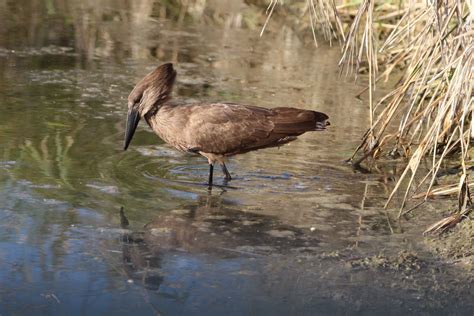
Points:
(430, 43)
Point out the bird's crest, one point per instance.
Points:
(154, 89)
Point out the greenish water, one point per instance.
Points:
(283, 237)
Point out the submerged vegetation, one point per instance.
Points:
(430, 46)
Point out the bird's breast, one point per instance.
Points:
(170, 129)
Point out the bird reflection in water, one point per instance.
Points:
(212, 227)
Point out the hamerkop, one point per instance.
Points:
(214, 130)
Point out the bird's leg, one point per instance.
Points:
(211, 170)
(226, 172)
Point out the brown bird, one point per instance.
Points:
(213, 130)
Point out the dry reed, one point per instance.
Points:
(432, 104)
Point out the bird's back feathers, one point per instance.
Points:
(228, 129)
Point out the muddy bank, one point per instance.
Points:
(456, 245)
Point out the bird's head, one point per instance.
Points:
(147, 97)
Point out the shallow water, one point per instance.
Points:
(86, 228)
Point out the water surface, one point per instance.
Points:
(86, 228)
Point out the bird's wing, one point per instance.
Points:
(223, 128)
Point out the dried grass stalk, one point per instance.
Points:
(432, 41)
(323, 18)
(433, 104)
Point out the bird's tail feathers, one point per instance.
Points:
(292, 121)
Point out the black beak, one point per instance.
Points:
(133, 117)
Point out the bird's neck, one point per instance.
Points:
(150, 114)
(154, 111)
